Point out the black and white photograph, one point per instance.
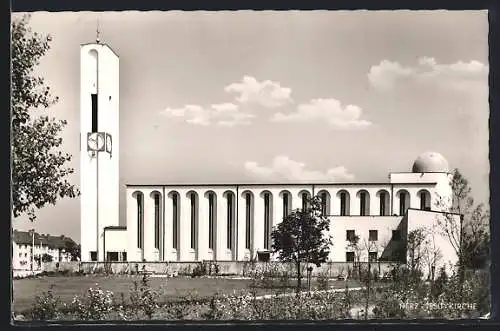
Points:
(250, 165)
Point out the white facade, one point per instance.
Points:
(23, 255)
(380, 213)
(99, 170)
(233, 222)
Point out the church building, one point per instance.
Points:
(232, 221)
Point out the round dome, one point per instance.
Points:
(430, 162)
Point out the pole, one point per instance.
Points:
(32, 250)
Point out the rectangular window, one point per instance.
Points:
(343, 210)
(349, 235)
(94, 112)
(229, 221)
(248, 219)
(93, 256)
(382, 203)
(396, 235)
(362, 204)
(349, 256)
(211, 221)
(266, 220)
(157, 221)
(193, 221)
(372, 256)
(373, 235)
(124, 256)
(175, 221)
(112, 256)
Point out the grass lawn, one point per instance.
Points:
(25, 290)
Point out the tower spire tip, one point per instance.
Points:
(98, 40)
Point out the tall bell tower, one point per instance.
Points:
(99, 146)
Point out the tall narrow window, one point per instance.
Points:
(94, 112)
(140, 221)
(362, 204)
(402, 203)
(285, 204)
(323, 203)
(343, 204)
(423, 202)
(305, 201)
(267, 214)
(229, 221)
(382, 203)
(175, 221)
(193, 220)
(211, 214)
(157, 221)
(248, 218)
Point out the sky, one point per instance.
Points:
(238, 97)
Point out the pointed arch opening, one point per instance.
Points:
(425, 199)
(268, 217)
(194, 212)
(174, 197)
(249, 218)
(384, 200)
(305, 197)
(404, 201)
(212, 219)
(139, 196)
(364, 202)
(230, 221)
(158, 221)
(286, 198)
(324, 195)
(345, 202)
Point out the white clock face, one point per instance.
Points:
(95, 141)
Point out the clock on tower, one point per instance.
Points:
(95, 141)
(109, 144)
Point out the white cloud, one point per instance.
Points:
(459, 76)
(266, 93)
(327, 110)
(285, 169)
(223, 114)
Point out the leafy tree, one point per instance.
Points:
(469, 238)
(38, 164)
(416, 249)
(47, 257)
(73, 248)
(439, 285)
(302, 238)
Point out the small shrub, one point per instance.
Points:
(143, 298)
(322, 280)
(96, 305)
(45, 307)
(198, 271)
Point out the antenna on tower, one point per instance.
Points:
(97, 33)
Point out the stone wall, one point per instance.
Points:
(239, 268)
